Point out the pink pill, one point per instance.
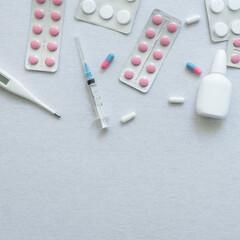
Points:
(136, 60)
(57, 2)
(33, 59)
(172, 27)
(235, 58)
(129, 74)
(236, 42)
(54, 31)
(143, 47)
(157, 54)
(157, 19)
(35, 44)
(49, 61)
(39, 13)
(40, 1)
(56, 15)
(143, 82)
(37, 29)
(165, 41)
(150, 33)
(52, 46)
(151, 68)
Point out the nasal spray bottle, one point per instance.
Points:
(215, 90)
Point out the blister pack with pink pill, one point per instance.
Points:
(45, 35)
(117, 15)
(223, 18)
(151, 51)
(233, 52)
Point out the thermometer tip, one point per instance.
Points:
(57, 114)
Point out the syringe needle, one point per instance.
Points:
(80, 51)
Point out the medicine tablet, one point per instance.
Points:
(236, 42)
(236, 27)
(143, 82)
(136, 61)
(143, 47)
(234, 5)
(52, 46)
(157, 19)
(165, 41)
(128, 117)
(89, 6)
(123, 17)
(172, 27)
(49, 61)
(106, 12)
(150, 33)
(192, 19)
(39, 14)
(151, 68)
(157, 54)
(129, 74)
(55, 15)
(33, 59)
(221, 29)
(37, 29)
(57, 2)
(54, 31)
(235, 58)
(35, 44)
(217, 6)
(178, 100)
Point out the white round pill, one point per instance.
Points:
(221, 29)
(234, 5)
(236, 27)
(217, 6)
(88, 6)
(130, 0)
(106, 12)
(123, 17)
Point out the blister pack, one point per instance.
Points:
(45, 35)
(233, 52)
(223, 18)
(117, 15)
(151, 51)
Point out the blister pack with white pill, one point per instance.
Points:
(233, 52)
(45, 35)
(223, 18)
(117, 15)
(151, 51)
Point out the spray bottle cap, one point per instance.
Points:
(219, 64)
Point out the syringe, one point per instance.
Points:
(92, 88)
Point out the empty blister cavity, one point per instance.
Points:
(118, 15)
(150, 51)
(45, 35)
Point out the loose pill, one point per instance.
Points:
(194, 68)
(157, 54)
(33, 59)
(35, 44)
(57, 2)
(177, 100)
(39, 13)
(107, 61)
(49, 61)
(128, 117)
(37, 29)
(192, 19)
(157, 19)
(236, 42)
(136, 61)
(235, 58)
(165, 41)
(54, 31)
(151, 68)
(143, 82)
(143, 47)
(55, 15)
(172, 27)
(52, 46)
(150, 33)
(129, 74)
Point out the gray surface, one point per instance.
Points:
(169, 175)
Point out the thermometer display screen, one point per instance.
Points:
(3, 80)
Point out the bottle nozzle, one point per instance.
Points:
(220, 63)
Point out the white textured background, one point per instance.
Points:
(168, 175)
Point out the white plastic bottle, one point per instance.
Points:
(215, 90)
